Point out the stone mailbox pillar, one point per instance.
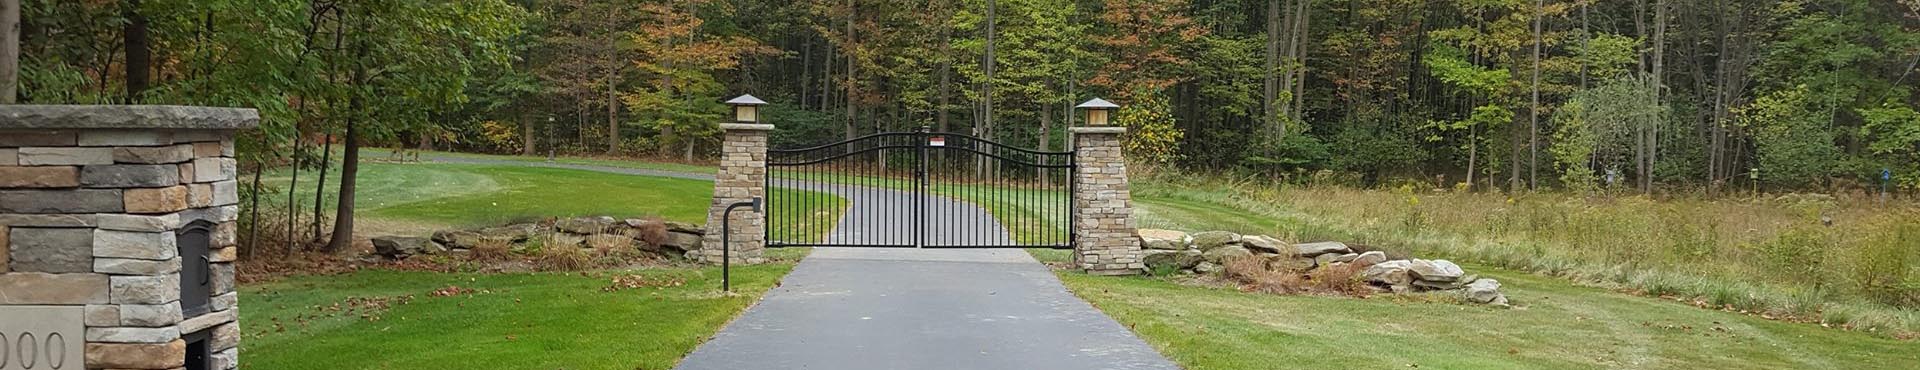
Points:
(117, 236)
(1103, 228)
(742, 177)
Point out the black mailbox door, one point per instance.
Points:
(195, 282)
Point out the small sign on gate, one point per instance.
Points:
(937, 141)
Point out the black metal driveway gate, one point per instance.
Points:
(919, 190)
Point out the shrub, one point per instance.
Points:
(1798, 254)
(1339, 280)
(604, 246)
(1881, 267)
(1252, 274)
(492, 250)
(563, 258)
(653, 232)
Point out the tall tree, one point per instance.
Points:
(1533, 111)
(139, 53)
(399, 65)
(9, 51)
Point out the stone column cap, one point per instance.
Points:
(126, 117)
(1097, 130)
(746, 126)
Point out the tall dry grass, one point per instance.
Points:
(1843, 262)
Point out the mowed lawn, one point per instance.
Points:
(378, 319)
(1557, 326)
(416, 197)
(393, 320)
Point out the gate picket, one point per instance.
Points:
(954, 187)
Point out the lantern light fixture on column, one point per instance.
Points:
(746, 108)
(1097, 111)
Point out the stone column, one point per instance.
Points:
(742, 177)
(93, 203)
(1103, 228)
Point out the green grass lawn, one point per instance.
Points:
(1558, 326)
(433, 195)
(382, 153)
(512, 321)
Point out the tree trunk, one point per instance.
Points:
(342, 237)
(806, 70)
(849, 130)
(613, 117)
(581, 125)
(1659, 58)
(293, 209)
(946, 78)
(526, 135)
(986, 64)
(826, 76)
(1533, 113)
(9, 51)
(320, 188)
(1302, 26)
(1269, 89)
(1586, 38)
(1473, 153)
(139, 53)
(349, 175)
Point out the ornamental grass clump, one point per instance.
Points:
(492, 250)
(562, 258)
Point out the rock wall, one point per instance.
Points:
(93, 203)
(1170, 251)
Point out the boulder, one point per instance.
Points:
(1226, 253)
(682, 227)
(1206, 267)
(512, 233)
(1485, 291)
(1207, 241)
(1157, 260)
(1263, 243)
(1345, 258)
(613, 240)
(1370, 258)
(682, 241)
(1318, 248)
(566, 240)
(1436, 285)
(403, 247)
(584, 225)
(1435, 270)
(458, 239)
(1289, 263)
(1324, 259)
(1391, 273)
(1163, 239)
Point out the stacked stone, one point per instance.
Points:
(1104, 240)
(742, 177)
(91, 198)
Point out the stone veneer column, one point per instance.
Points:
(1103, 228)
(742, 177)
(91, 201)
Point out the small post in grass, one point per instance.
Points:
(726, 242)
(1886, 178)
